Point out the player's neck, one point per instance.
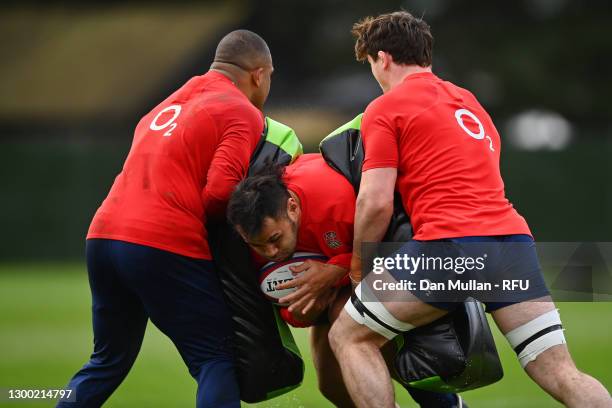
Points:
(234, 74)
(400, 72)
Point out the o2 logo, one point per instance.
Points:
(170, 124)
(460, 114)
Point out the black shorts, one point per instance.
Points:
(497, 270)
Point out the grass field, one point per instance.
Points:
(45, 336)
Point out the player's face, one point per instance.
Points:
(277, 238)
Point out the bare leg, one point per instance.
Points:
(363, 368)
(329, 375)
(357, 349)
(554, 370)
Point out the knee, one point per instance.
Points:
(337, 337)
(345, 333)
(120, 361)
(333, 338)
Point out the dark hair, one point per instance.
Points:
(408, 39)
(258, 197)
(244, 49)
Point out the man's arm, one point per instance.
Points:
(373, 212)
(231, 160)
(318, 278)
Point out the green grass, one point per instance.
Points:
(45, 336)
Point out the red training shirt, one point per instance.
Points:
(446, 151)
(187, 155)
(327, 202)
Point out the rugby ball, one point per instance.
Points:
(273, 274)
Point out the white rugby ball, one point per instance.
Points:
(273, 274)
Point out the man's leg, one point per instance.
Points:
(184, 299)
(119, 323)
(329, 375)
(331, 383)
(356, 339)
(553, 368)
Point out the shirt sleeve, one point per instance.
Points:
(342, 260)
(288, 317)
(337, 244)
(379, 138)
(230, 161)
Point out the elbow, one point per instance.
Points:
(375, 206)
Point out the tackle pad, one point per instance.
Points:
(268, 362)
(452, 354)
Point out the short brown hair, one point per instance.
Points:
(408, 39)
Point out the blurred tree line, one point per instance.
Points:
(551, 55)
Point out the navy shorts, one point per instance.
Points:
(497, 270)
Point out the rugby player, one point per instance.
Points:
(311, 208)
(435, 144)
(147, 250)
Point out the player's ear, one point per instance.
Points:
(384, 59)
(257, 76)
(293, 209)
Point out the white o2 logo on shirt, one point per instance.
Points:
(170, 123)
(460, 113)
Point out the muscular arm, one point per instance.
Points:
(373, 212)
(231, 160)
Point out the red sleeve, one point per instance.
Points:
(230, 161)
(379, 138)
(340, 256)
(288, 317)
(342, 260)
(331, 238)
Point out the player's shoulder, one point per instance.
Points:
(463, 96)
(377, 105)
(311, 171)
(308, 159)
(377, 111)
(420, 89)
(226, 107)
(305, 167)
(464, 92)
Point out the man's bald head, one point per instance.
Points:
(245, 49)
(244, 57)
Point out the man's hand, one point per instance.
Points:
(319, 306)
(316, 278)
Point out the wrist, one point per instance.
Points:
(338, 275)
(355, 272)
